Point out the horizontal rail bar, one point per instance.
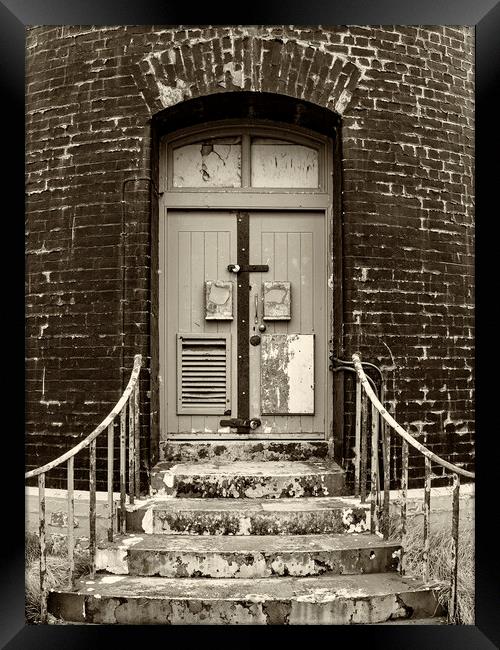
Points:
(99, 429)
(399, 429)
(354, 371)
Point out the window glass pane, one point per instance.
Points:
(277, 163)
(215, 162)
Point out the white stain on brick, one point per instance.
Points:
(170, 95)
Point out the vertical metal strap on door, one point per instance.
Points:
(243, 312)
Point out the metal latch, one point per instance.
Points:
(248, 268)
(237, 423)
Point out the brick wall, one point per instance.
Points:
(405, 98)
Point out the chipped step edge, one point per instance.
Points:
(343, 609)
(250, 563)
(148, 520)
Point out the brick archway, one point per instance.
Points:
(248, 62)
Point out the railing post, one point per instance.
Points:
(364, 446)
(404, 501)
(123, 449)
(357, 439)
(131, 451)
(71, 517)
(452, 610)
(374, 472)
(427, 518)
(386, 451)
(137, 432)
(43, 549)
(110, 479)
(92, 508)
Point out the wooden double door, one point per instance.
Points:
(244, 334)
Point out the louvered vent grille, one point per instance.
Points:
(203, 373)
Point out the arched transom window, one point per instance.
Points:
(242, 157)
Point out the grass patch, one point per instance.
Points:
(57, 574)
(440, 568)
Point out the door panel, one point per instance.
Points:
(293, 245)
(199, 245)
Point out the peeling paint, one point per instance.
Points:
(218, 300)
(287, 374)
(147, 521)
(276, 300)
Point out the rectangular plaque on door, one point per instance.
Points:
(287, 374)
(276, 299)
(218, 300)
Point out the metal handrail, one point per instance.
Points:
(130, 399)
(398, 428)
(99, 429)
(378, 410)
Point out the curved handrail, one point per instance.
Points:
(398, 428)
(99, 429)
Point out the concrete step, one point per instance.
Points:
(246, 557)
(247, 479)
(308, 515)
(437, 620)
(331, 600)
(228, 451)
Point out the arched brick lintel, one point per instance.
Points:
(249, 63)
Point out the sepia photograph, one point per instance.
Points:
(250, 365)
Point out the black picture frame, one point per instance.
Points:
(15, 15)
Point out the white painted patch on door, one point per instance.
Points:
(301, 373)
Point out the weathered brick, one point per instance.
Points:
(405, 95)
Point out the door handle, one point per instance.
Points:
(248, 268)
(256, 302)
(241, 423)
